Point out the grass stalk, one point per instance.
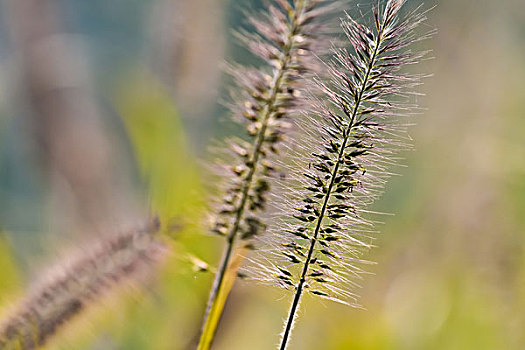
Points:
(219, 292)
(321, 217)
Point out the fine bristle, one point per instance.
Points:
(353, 128)
(350, 139)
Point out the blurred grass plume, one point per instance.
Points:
(79, 281)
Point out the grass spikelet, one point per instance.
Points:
(287, 38)
(353, 133)
(76, 284)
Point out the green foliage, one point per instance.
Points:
(9, 274)
(157, 136)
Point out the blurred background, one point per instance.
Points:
(107, 113)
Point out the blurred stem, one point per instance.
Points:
(218, 306)
(222, 286)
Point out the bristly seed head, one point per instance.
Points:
(350, 138)
(287, 38)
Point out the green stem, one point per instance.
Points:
(302, 280)
(210, 323)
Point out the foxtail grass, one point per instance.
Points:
(78, 282)
(287, 38)
(352, 135)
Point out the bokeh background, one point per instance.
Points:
(108, 110)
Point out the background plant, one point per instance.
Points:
(65, 292)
